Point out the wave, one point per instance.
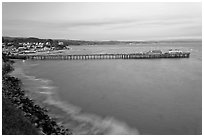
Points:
(81, 122)
(91, 123)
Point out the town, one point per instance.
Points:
(31, 46)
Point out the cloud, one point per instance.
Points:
(102, 22)
(122, 27)
(112, 20)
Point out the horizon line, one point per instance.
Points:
(165, 39)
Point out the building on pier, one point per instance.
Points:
(176, 51)
(154, 52)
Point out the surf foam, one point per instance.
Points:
(84, 123)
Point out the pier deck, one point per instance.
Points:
(101, 56)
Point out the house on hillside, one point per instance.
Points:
(60, 43)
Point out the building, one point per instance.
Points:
(176, 51)
(154, 52)
(60, 43)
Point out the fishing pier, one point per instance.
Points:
(101, 56)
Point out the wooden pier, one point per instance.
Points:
(101, 56)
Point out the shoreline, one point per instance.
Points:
(73, 117)
(37, 115)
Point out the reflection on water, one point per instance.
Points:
(159, 96)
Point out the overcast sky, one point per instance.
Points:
(103, 21)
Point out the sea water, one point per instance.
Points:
(135, 96)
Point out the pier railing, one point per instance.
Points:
(101, 56)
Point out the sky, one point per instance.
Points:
(103, 21)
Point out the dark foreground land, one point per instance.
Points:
(20, 115)
(14, 122)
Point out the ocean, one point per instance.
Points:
(135, 96)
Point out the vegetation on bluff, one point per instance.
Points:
(14, 122)
(19, 113)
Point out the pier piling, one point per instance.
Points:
(101, 56)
